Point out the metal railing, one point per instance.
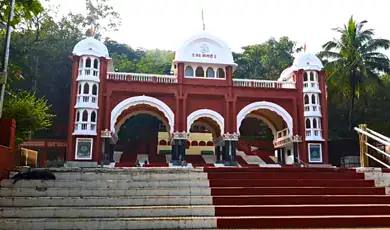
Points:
(371, 143)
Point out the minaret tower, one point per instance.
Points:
(314, 97)
(89, 67)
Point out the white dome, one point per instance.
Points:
(307, 61)
(205, 48)
(91, 46)
(286, 74)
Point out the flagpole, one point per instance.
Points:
(4, 67)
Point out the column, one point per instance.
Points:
(179, 140)
(174, 152)
(233, 150)
(279, 155)
(226, 152)
(295, 150)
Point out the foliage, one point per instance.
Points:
(31, 113)
(354, 62)
(156, 61)
(266, 60)
(24, 10)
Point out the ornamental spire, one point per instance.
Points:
(92, 32)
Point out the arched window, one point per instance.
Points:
(199, 72)
(93, 116)
(78, 116)
(313, 99)
(88, 63)
(314, 123)
(189, 72)
(81, 63)
(163, 142)
(308, 125)
(306, 99)
(305, 76)
(220, 73)
(210, 73)
(202, 143)
(94, 89)
(210, 143)
(85, 115)
(96, 64)
(194, 143)
(86, 88)
(319, 122)
(79, 88)
(311, 76)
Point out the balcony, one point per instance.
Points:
(311, 87)
(88, 74)
(85, 128)
(86, 101)
(312, 110)
(171, 79)
(314, 134)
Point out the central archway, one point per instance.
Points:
(139, 100)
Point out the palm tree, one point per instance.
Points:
(354, 61)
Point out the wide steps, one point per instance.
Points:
(297, 191)
(93, 201)
(208, 198)
(109, 223)
(105, 192)
(118, 184)
(194, 210)
(238, 222)
(300, 199)
(108, 212)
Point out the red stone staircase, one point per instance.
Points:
(202, 198)
(296, 198)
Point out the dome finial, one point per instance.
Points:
(304, 48)
(204, 25)
(92, 32)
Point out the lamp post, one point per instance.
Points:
(4, 67)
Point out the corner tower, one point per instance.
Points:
(307, 72)
(89, 69)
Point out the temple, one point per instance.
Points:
(199, 113)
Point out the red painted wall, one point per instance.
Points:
(7, 146)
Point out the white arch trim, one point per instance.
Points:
(206, 113)
(139, 100)
(265, 105)
(266, 121)
(119, 123)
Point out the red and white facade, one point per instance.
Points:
(201, 88)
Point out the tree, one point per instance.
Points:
(24, 10)
(31, 113)
(266, 60)
(156, 61)
(353, 61)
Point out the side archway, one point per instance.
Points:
(267, 106)
(218, 118)
(142, 100)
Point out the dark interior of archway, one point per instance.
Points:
(139, 135)
(255, 133)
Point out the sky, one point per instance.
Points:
(166, 24)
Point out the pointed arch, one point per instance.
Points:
(218, 118)
(138, 100)
(268, 106)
